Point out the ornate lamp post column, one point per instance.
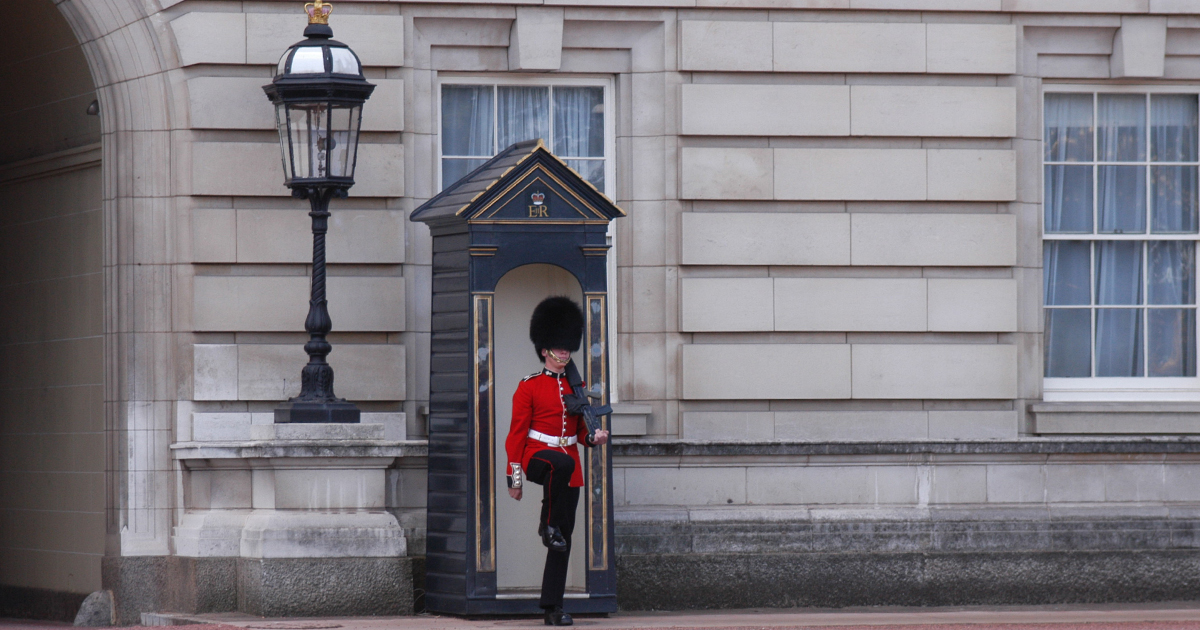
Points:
(318, 91)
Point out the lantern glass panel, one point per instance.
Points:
(344, 61)
(279, 69)
(308, 130)
(308, 60)
(344, 123)
(281, 124)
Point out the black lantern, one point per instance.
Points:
(318, 91)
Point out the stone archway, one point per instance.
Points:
(86, 246)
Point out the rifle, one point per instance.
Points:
(577, 402)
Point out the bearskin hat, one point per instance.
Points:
(557, 323)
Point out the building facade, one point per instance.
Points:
(902, 310)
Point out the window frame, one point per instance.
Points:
(1102, 388)
(608, 83)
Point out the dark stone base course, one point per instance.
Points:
(273, 587)
(714, 581)
(318, 587)
(18, 602)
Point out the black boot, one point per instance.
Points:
(556, 617)
(553, 539)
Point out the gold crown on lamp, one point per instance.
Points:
(318, 12)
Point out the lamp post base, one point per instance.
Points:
(338, 412)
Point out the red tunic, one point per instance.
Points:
(538, 405)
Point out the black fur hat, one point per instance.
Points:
(557, 323)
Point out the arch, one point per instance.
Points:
(123, 50)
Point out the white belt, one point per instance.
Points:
(553, 440)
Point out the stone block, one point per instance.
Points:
(850, 174)
(372, 303)
(279, 236)
(1139, 47)
(941, 371)
(305, 431)
(283, 587)
(685, 486)
(971, 48)
(326, 489)
(229, 103)
(362, 371)
(237, 168)
(214, 372)
(744, 238)
(384, 111)
(850, 304)
(849, 47)
(961, 240)
(235, 303)
(394, 423)
(792, 485)
(839, 426)
(1016, 483)
(726, 304)
(239, 103)
(933, 110)
(972, 425)
(202, 37)
(1074, 483)
(378, 40)
(958, 484)
(801, 371)
(712, 173)
(972, 305)
(970, 175)
(1136, 483)
(737, 426)
(253, 169)
(214, 235)
(311, 534)
(220, 427)
(630, 419)
(765, 110)
(536, 39)
(280, 303)
(725, 45)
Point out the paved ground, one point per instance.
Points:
(1168, 616)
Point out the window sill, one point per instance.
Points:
(1116, 418)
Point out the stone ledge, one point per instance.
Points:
(782, 580)
(299, 448)
(1024, 446)
(1116, 417)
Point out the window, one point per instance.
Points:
(479, 119)
(1120, 231)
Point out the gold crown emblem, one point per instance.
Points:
(318, 12)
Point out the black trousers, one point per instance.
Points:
(552, 470)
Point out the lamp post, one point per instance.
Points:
(318, 91)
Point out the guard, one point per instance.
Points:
(542, 441)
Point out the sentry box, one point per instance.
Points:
(521, 227)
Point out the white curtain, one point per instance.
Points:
(523, 113)
(466, 129)
(1119, 330)
(1068, 330)
(1068, 135)
(579, 130)
(1173, 139)
(1172, 332)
